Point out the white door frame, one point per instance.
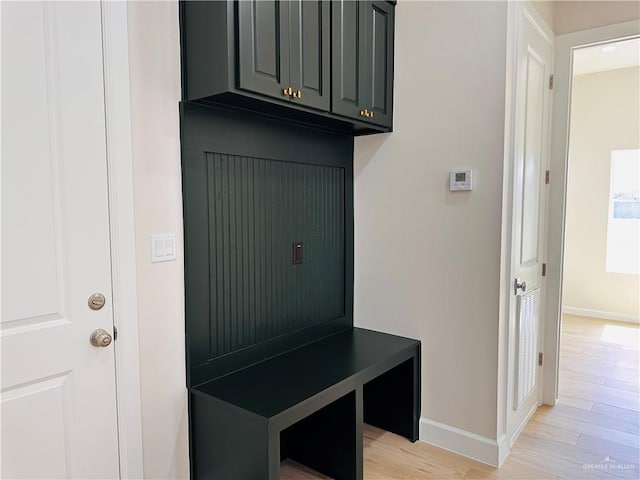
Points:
(115, 48)
(565, 44)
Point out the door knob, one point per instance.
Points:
(100, 338)
(519, 285)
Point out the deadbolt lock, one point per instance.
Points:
(96, 301)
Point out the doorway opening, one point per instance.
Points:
(598, 386)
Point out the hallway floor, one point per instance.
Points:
(593, 432)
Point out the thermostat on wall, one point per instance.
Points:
(460, 180)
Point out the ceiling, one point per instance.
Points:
(593, 59)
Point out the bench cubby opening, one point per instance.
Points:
(329, 440)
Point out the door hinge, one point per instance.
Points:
(540, 358)
(550, 82)
(115, 333)
(544, 269)
(546, 177)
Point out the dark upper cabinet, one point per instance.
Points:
(283, 50)
(379, 67)
(362, 64)
(277, 57)
(263, 47)
(348, 61)
(310, 42)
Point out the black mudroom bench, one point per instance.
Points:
(275, 367)
(307, 404)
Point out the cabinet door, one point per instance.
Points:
(379, 61)
(263, 47)
(309, 62)
(362, 42)
(348, 20)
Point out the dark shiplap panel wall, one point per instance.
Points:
(257, 209)
(252, 186)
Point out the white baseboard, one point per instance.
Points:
(586, 312)
(460, 441)
(504, 448)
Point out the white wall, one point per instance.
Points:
(427, 261)
(155, 92)
(573, 16)
(605, 116)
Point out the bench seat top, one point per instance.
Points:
(349, 358)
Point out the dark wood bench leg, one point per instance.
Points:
(228, 444)
(392, 400)
(417, 400)
(330, 440)
(359, 434)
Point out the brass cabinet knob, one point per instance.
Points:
(288, 91)
(362, 113)
(297, 94)
(100, 338)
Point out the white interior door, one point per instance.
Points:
(530, 164)
(58, 390)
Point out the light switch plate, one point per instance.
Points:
(163, 247)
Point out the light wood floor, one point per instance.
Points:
(592, 433)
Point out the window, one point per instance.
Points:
(623, 228)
